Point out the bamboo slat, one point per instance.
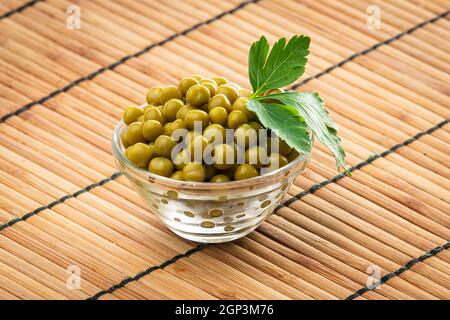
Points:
(63, 204)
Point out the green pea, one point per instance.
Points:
(196, 115)
(171, 108)
(197, 147)
(186, 83)
(283, 147)
(236, 118)
(219, 100)
(152, 129)
(161, 166)
(218, 115)
(224, 156)
(277, 160)
(124, 140)
(166, 129)
(272, 91)
(183, 110)
(220, 178)
(241, 104)
(211, 86)
(190, 136)
(164, 145)
(154, 95)
(155, 114)
(152, 147)
(234, 85)
(197, 77)
(177, 175)
(213, 132)
(245, 171)
(245, 136)
(197, 95)
(205, 80)
(134, 133)
(256, 125)
(170, 92)
(245, 93)
(257, 156)
(220, 80)
(148, 106)
(140, 154)
(177, 124)
(194, 172)
(230, 91)
(181, 159)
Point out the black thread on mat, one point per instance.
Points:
(399, 271)
(122, 61)
(19, 9)
(296, 197)
(166, 263)
(60, 200)
(370, 49)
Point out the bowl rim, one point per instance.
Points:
(145, 174)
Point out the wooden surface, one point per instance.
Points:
(62, 203)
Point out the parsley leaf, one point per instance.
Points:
(285, 121)
(294, 115)
(283, 65)
(310, 107)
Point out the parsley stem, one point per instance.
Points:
(255, 94)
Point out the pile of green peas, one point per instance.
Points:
(216, 104)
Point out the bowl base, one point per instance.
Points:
(214, 238)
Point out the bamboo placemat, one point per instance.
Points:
(63, 204)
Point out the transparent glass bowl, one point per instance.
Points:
(209, 212)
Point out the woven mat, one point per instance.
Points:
(63, 205)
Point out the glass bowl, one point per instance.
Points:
(209, 212)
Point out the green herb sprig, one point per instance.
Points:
(293, 116)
